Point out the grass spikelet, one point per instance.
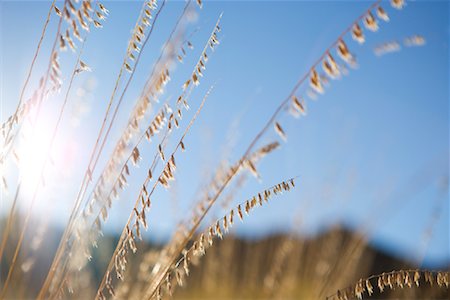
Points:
(369, 287)
(395, 279)
(381, 13)
(359, 289)
(62, 43)
(416, 277)
(357, 34)
(183, 148)
(225, 223)
(135, 47)
(161, 152)
(82, 21)
(195, 79)
(85, 67)
(218, 231)
(71, 7)
(370, 22)
(135, 156)
(328, 69)
(55, 63)
(179, 276)
(76, 33)
(252, 168)
(148, 13)
(247, 207)
(86, 14)
(126, 169)
(103, 8)
(66, 13)
(100, 16)
(298, 107)
(387, 47)
(87, 5)
(128, 68)
(239, 210)
(70, 41)
(185, 262)
(146, 21)
(334, 66)
(344, 53)
(279, 130)
(315, 82)
(104, 213)
(186, 84)
(163, 181)
(4, 184)
(263, 151)
(97, 24)
(398, 4)
(151, 4)
(57, 11)
(415, 40)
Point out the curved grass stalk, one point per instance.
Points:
(217, 229)
(394, 279)
(88, 173)
(189, 83)
(163, 51)
(27, 80)
(47, 157)
(21, 237)
(271, 121)
(185, 95)
(94, 226)
(127, 229)
(360, 240)
(155, 123)
(222, 171)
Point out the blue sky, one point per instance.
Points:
(372, 152)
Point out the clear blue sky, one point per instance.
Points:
(373, 151)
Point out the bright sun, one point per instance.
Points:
(32, 153)
(37, 158)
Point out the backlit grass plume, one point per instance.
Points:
(148, 153)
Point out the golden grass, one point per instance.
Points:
(161, 271)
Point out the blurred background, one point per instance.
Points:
(371, 154)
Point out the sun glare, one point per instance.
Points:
(32, 153)
(37, 156)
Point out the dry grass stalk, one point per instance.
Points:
(217, 229)
(127, 238)
(396, 279)
(86, 179)
(200, 206)
(53, 72)
(345, 54)
(22, 110)
(85, 15)
(182, 100)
